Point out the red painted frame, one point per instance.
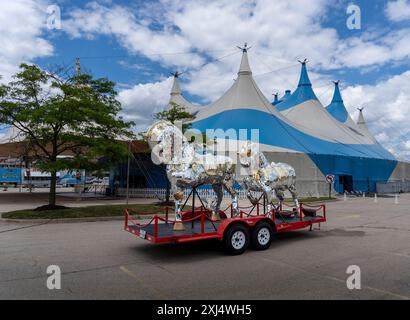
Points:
(202, 215)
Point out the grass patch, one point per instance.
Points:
(108, 210)
(84, 212)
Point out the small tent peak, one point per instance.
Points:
(304, 77)
(337, 97)
(245, 47)
(176, 89)
(361, 120)
(275, 98)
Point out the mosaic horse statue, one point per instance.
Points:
(187, 168)
(272, 179)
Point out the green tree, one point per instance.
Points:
(173, 114)
(59, 113)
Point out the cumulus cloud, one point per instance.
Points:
(22, 27)
(398, 10)
(132, 33)
(186, 34)
(141, 102)
(387, 106)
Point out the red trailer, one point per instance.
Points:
(235, 231)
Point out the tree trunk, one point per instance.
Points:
(52, 194)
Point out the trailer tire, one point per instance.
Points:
(236, 239)
(262, 236)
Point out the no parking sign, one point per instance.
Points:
(330, 179)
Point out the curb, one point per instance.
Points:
(73, 220)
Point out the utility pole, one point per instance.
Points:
(77, 67)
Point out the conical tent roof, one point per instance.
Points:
(243, 106)
(361, 124)
(330, 145)
(283, 98)
(337, 108)
(176, 97)
(304, 109)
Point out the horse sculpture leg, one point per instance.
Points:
(280, 194)
(178, 196)
(292, 190)
(269, 199)
(230, 188)
(216, 205)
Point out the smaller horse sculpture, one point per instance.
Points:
(272, 179)
(188, 169)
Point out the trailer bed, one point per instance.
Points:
(199, 226)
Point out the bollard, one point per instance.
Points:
(364, 195)
(396, 199)
(375, 198)
(345, 197)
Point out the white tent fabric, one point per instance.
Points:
(361, 125)
(176, 97)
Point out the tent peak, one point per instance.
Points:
(176, 89)
(245, 47)
(361, 120)
(337, 97)
(304, 77)
(244, 69)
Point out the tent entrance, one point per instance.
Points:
(346, 183)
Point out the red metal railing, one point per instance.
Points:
(316, 209)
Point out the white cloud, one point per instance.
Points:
(142, 101)
(387, 106)
(120, 22)
(398, 10)
(22, 25)
(279, 31)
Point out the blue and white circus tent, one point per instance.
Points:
(299, 130)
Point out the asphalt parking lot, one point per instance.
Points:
(98, 260)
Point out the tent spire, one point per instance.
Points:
(337, 97)
(304, 78)
(360, 120)
(176, 89)
(244, 68)
(275, 98)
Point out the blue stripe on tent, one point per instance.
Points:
(361, 161)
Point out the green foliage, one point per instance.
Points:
(175, 113)
(66, 114)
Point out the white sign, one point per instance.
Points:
(143, 234)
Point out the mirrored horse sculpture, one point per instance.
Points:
(272, 179)
(186, 168)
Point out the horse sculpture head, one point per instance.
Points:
(167, 142)
(248, 154)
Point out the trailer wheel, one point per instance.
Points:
(262, 236)
(236, 239)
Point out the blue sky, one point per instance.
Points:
(138, 43)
